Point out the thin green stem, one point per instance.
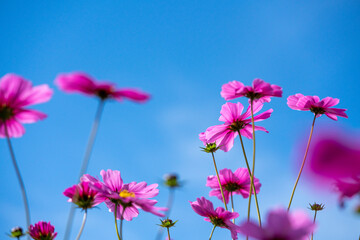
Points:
(82, 225)
(168, 233)
(232, 205)
(253, 164)
(21, 182)
(221, 188)
(85, 163)
(312, 234)
(212, 232)
(116, 226)
(303, 163)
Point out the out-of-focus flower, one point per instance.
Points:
(237, 182)
(171, 180)
(83, 196)
(348, 188)
(259, 91)
(223, 135)
(316, 106)
(219, 217)
(42, 231)
(281, 224)
(131, 196)
(82, 83)
(333, 155)
(16, 93)
(16, 232)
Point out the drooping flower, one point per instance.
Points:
(42, 231)
(16, 93)
(131, 196)
(316, 106)
(83, 196)
(237, 182)
(82, 83)
(225, 134)
(348, 188)
(259, 91)
(281, 224)
(219, 217)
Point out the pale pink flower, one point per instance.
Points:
(16, 93)
(42, 231)
(219, 217)
(237, 182)
(231, 114)
(316, 106)
(82, 83)
(259, 91)
(83, 196)
(281, 224)
(132, 196)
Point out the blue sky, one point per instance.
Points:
(181, 52)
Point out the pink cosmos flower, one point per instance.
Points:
(232, 183)
(83, 196)
(348, 188)
(259, 91)
(83, 83)
(225, 134)
(313, 104)
(281, 224)
(131, 196)
(16, 93)
(42, 230)
(218, 217)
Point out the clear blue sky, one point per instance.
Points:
(181, 52)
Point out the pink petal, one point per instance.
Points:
(132, 94)
(76, 82)
(29, 116)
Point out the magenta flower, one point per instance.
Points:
(259, 91)
(348, 188)
(235, 122)
(82, 83)
(15, 94)
(83, 196)
(131, 196)
(42, 231)
(232, 183)
(313, 104)
(218, 217)
(281, 224)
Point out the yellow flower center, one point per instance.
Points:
(125, 193)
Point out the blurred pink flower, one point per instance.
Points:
(281, 224)
(259, 91)
(83, 83)
(15, 94)
(313, 104)
(225, 134)
(41, 231)
(83, 196)
(218, 217)
(232, 183)
(348, 188)
(132, 196)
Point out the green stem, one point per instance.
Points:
(303, 163)
(232, 205)
(253, 164)
(82, 225)
(212, 232)
(21, 182)
(85, 163)
(121, 222)
(168, 233)
(312, 234)
(116, 227)
(221, 189)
